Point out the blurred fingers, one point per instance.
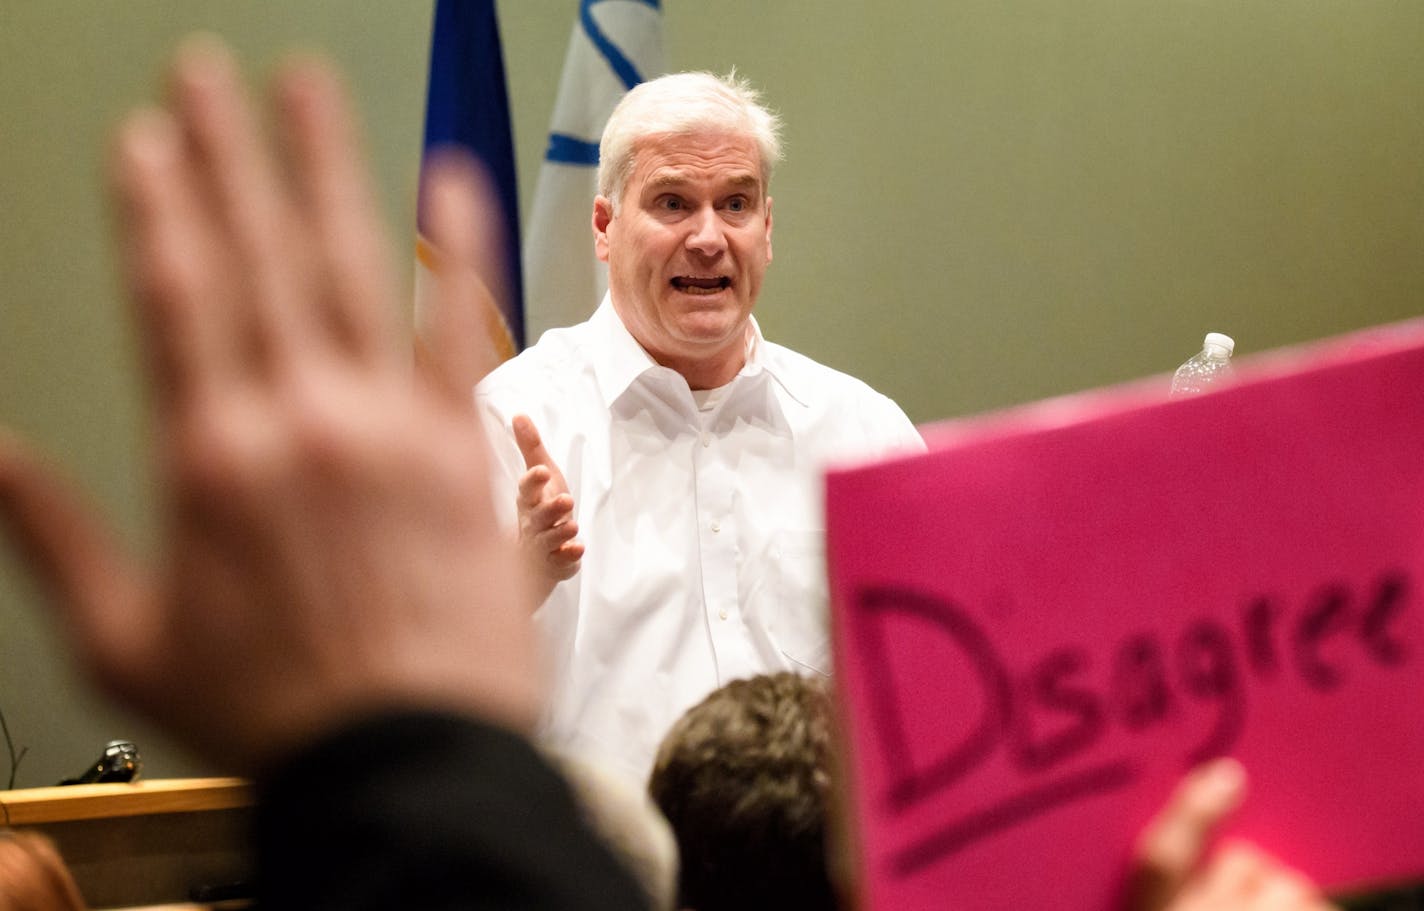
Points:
(239, 183)
(1287, 890)
(1233, 877)
(1243, 877)
(171, 261)
(337, 207)
(1174, 842)
(102, 599)
(465, 321)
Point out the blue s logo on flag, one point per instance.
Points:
(615, 45)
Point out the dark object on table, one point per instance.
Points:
(120, 761)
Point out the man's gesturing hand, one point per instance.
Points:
(329, 548)
(547, 529)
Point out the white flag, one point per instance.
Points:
(615, 45)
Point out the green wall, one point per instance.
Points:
(983, 203)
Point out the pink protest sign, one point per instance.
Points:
(1046, 619)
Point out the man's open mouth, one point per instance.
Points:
(693, 284)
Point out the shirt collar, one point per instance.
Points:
(771, 359)
(618, 359)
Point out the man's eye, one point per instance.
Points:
(737, 204)
(670, 203)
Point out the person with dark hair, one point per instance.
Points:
(745, 777)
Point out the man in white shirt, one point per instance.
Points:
(663, 460)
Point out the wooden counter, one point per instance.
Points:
(144, 843)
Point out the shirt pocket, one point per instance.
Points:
(799, 618)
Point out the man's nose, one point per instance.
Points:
(706, 234)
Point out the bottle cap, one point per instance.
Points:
(1219, 340)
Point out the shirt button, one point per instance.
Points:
(722, 613)
(706, 440)
(716, 527)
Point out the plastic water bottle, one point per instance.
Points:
(1207, 368)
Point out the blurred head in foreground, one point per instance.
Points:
(33, 877)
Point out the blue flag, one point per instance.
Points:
(467, 106)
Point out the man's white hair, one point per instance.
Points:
(684, 103)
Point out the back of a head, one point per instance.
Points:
(33, 877)
(744, 778)
(683, 103)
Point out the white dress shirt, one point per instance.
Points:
(703, 526)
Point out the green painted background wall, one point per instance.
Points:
(983, 203)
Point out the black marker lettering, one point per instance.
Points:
(1325, 617)
(958, 834)
(1056, 711)
(1050, 685)
(910, 783)
(1138, 685)
(1260, 623)
(1208, 668)
(1391, 594)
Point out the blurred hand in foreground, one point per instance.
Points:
(329, 549)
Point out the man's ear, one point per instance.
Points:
(768, 229)
(602, 215)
